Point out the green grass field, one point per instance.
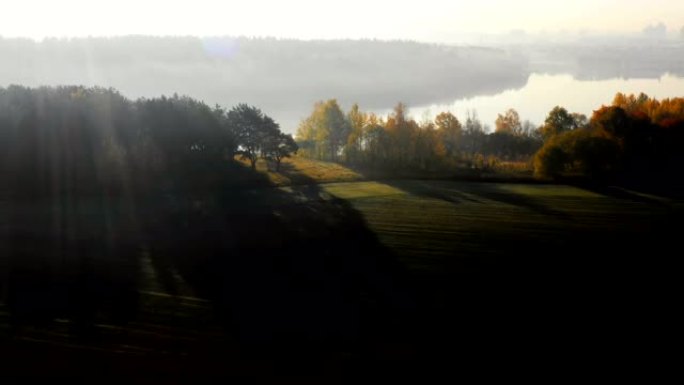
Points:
(299, 170)
(429, 223)
(432, 224)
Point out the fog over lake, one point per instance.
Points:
(285, 77)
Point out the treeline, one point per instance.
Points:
(75, 140)
(635, 138)
(601, 59)
(399, 142)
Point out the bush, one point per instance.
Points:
(550, 161)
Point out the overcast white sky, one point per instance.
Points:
(427, 20)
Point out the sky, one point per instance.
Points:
(441, 21)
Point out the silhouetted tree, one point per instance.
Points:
(278, 146)
(251, 128)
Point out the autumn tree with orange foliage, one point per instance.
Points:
(635, 138)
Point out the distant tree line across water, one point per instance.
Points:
(635, 138)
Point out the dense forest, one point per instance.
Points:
(73, 140)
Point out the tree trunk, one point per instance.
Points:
(253, 161)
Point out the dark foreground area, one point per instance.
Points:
(328, 283)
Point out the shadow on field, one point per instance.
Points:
(476, 193)
(294, 273)
(70, 257)
(530, 296)
(621, 193)
(295, 177)
(298, 279)
(493, 192)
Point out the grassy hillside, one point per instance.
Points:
(444, 226)
(299, 170)
(434, 224)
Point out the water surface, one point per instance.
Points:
(543, 92)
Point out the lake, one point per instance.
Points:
(543, 92)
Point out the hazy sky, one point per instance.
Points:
(428, 20)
